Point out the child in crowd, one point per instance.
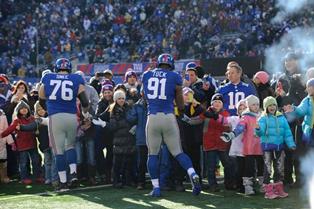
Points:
(274, 131)
(85, 144)
(305, 109)
(123, 141)
(236, 149)
(215, 123)
(39, 126)
(26, 143)
(3, 149)
(138, 116)
(252, 152)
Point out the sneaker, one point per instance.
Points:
(213, 188)
(196, 185)
(63, 187)
(179, 188)
(140, 186)
(73, 180)
(27, 181)
(165, 188)
(47, 182)
(55, 184)
(40, 180)
(155, 192)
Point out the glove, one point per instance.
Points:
(292, 148)
(99, 122)
(86, 115)
(213, 115)
(13, 146)
(42, 121)
(227, 136)
(185, 118)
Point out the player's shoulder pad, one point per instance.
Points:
(245, 84)
(47, 77)
(223, 89)
(77, 77)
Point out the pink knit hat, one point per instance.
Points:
(262, 76)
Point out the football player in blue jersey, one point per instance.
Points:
(58, 94)
(235, 90)
(161, 88)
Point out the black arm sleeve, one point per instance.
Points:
(29, 127)
(83, 99)
(42, 103)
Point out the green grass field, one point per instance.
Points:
(15, 195)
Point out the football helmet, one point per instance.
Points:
(165, 59)
(63, 64)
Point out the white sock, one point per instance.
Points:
(191, 171)
(155, 183)
(72, 168)
(62, 176)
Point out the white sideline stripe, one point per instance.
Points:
(56, 192)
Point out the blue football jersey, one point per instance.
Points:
(232, 94)
(61, 92)
(159, 86)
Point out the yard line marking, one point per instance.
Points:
(56, 192)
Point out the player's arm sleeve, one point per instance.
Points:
(84, 100)
(42, 97)
(179, 94)
(179, 98)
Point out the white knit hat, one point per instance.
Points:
(118, 94)
(250, 100)
(241, 102)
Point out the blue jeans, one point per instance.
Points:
(24, 159)
(89, 144)
(51, 173)
(211, 161)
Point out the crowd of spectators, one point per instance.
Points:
(34, 33)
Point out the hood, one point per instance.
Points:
(21, 105)
(249, 113)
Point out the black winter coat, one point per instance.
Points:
(123, 141)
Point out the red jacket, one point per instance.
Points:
(213, 130)
(25, 140)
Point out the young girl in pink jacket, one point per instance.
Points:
(3, 149)
(252, 150)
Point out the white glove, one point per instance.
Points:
(227, 136)
(45, 121)
(99, 122)
(133, 130)
(185, 118)
(42, 121)
(86, 115)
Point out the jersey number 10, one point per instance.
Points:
(66, 90)
(153, 85)
(234, 98)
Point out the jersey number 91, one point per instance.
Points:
(157, 88)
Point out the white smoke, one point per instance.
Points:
(307, 170)
(290, 7)
(298, 40)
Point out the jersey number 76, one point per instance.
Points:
(64, 86)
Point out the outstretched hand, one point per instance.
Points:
(227, 136)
